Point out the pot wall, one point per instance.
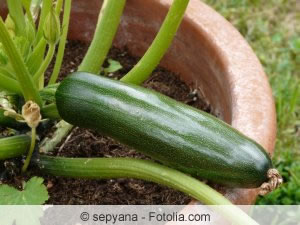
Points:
(209, 54)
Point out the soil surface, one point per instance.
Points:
(88, 143)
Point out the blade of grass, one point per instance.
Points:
(29, 90)
(143, 69)
(105, 31)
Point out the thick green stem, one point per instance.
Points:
(14, 146)
(31, 149)
(143, 69)
(108, 168)
(50, 112)
(62, 42)
(108, 21)
(29, 90)
(45, 64)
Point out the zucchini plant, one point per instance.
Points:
(203, 146)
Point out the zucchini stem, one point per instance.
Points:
(143, 69)
(50, 112)
(46, 7)
(62, 42)
(108, 21)
(31, 149)
(58, 6)
(109, 168)
(39, 74)
(275, 180)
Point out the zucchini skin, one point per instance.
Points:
(14, 146)
(6, 121)
(176, 134)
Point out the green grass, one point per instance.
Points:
(272, 28)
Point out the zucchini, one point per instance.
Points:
(176, 134)
(14, 146)
(6, 121)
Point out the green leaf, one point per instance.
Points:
(113, 66)
(34, 193)
(3, 56)
(23, 76)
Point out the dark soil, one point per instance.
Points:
(87, 143)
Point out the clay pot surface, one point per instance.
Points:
(209, 54)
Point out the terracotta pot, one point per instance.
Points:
(209, 54)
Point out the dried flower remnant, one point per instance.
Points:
(31, 114)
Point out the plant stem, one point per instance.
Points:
(109, 168)
(31, 149)
(108, 21)
(29, 90)
(16, 13)
(58, 7)
(28, 12)
(63, 128)
(14, 146)
(36, 58)
(50, 112)
(47, 4)
(143, 69)
(62, 42)
(45, 64)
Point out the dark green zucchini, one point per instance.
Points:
(14, 146)
(174, 133)
(6, 121)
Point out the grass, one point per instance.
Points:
(271, 28)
